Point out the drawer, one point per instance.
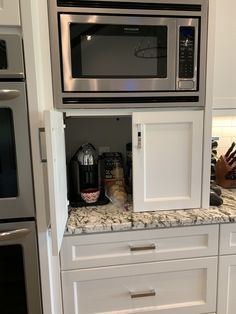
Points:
(117, 248)
(228, 238)
(173, 287)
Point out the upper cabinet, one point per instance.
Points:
(167, 160)
(166, 154)
(9, 13)
(224, 91)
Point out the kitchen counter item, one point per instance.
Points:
(83, 178)
(90, 195)
(225, 172)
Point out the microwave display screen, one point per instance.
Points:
(118, 51)
(3, 55)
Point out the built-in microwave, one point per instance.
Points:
(128, 54)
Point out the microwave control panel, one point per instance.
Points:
(186, 52)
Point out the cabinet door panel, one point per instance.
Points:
(228, 239)
(57, 183)
(9, 13)
(167, 159)
(176, 287)
(227, 285)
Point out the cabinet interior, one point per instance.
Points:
(105, 133)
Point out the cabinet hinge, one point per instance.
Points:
(42, 145)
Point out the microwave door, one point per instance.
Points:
(117, 53)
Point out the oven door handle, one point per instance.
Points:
(8, 94)
(14, 234)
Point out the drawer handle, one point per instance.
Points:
(151, 246)
(142, 294)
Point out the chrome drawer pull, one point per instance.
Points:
(142, 294)
(151, 246)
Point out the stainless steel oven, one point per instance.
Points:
(137, 54)
(16, 186)
(19, 269)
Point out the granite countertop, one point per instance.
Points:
(109, 218)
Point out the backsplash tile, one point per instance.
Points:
(225, 129)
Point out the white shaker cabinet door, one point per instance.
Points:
(227, 285)
(224, 93)
(9, 13)
(57, 182)
(167, 159)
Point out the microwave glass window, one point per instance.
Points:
(8, 170)
(99, 50)
(12, 280)
(3, 55)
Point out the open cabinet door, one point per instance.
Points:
(57, 182)
(167, 159)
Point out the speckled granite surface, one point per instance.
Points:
(108, 218)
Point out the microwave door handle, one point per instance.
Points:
(8, 94)
(14, 234)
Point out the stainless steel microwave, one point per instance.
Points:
(133, 54)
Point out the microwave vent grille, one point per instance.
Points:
(130, 5)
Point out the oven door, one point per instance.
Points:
(16, 188)
(117, 53)
(19, 271)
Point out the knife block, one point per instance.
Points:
(222, 169)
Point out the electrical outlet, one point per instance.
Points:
(103, 149)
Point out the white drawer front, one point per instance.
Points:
(228, 239)
(174, 287)
(94, 250)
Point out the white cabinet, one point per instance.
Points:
(224, 92)
(9, 13)
(167, 160)
(99, 250)
(57, 182)
(173, 287)
(227, 285)
(148, 271)
(227, 270)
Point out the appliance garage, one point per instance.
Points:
(147, 54)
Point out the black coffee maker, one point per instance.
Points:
(83, 172)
